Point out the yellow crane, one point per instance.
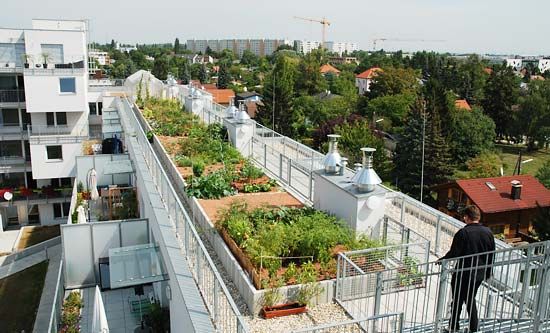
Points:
(376, 40)
(323, 21)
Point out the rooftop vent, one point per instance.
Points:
(357, 168)
(366, 179)
(230, 111)
(332, 160)
(242, 116)
(516, 189)
(491, 186)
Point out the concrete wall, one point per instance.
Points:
(43, 168)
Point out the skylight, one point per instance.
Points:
(491, 186)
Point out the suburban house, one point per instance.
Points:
(251, 101)
(343, 60)
(364, 80)
(507, 204)
(329, 69)
(220, 96)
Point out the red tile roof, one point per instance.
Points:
(221, 96)
(327, 68)
(500, 200)
(463, 104)
(369, 73)
(488, 70)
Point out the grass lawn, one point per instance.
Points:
(509, 156)
(35, 235)
(19, 298)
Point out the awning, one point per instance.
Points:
(119, 166)
(135, 265)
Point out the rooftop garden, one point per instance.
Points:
(211, 166)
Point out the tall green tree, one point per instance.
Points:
(470, 133)
(113, 44)
(534, 114)
(543, 174)
(161, 67)
(500, 95)
(278, 96)
(393, 81)
(309, 80)
(203, 74)
(185, 74)
(471, 79)
(223, 76)
(540, 223)
(177, 46)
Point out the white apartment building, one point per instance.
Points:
(260, 47)
(543, 64)
(97, 58)
(306, 46)
(44, 118)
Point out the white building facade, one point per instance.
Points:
(43, 103)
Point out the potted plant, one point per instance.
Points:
(26, 59)
(272, 296)
(45, 57)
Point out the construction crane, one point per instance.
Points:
(323, 21)
(376, 40)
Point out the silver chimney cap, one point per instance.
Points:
(231, 110)
(358, 167)
(366, 179)
(242, 116)
(332, 160)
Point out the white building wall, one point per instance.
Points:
(43, 168)
(43, 95)
(544, 65)
(516, 64)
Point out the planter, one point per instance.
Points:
(282, 310)
(44, 65)
(26, 65)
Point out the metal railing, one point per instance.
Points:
(12, 96)
(42, 132)
(514, 298)
(223, 311)
(388, 323)
(57, 308)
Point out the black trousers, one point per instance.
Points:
(464, 292)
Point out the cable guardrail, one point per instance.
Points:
(224, 313)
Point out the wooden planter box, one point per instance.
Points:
(282, 310)
(243, 260)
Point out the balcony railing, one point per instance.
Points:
(12, 96)
(70, 65)
(78, 130)
(44, 193)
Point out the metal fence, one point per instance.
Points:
(388, 323)
(515, 298)
(224, 312)
(57, 307)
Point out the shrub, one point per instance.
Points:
(212, 186)
(250, 171)
(70, 316)
(183, 161)
(239, 228)
(198, 168)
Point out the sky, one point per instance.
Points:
(460, 26)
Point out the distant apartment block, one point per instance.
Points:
(260, 47)
(339, 48)
(97, 58)
(125, 48)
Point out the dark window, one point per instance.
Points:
(7, 83)
(99, 108)
(65, 182)
(61, 118)
(54, 152)
(50, 119)
(56, 210)
(26, 117)
(93, 109)
(10, 117)
(67, 85)
(20, 82)
(66, 208)
(27, 151)
(10, 149)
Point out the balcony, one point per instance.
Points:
(60, 133)
(69, 65)
(47, 194)
(12, 96)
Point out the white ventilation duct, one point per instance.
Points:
(366, 179)
(242, 116)
(230, 111)
(332, 160)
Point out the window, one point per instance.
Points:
(61, 118)
(50, 118)
(93, 109)
(54, 152)
(61, 210)
(56, 118)
(67, 85)
(61, 182)
(11, 149)
(7, 82)
(10, 117)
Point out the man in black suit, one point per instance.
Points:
(472, 266)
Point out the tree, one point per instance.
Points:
(408, 155)
(343, 84)
(483, 166)
(223, 76)
(309, 80)
(471, 79)
(534, 114)
(470, 133)
(160, 67)
(249, 59)
(278, 93)
(203, 74)
(357, 135)
(185, 74)
(393, 81)
(392, 108)
(543, 174)
(500, 95)
(177, 46)
(540, 223)
(113, 44)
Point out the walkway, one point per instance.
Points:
(24, 263)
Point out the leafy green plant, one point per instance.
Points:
(239, 228)
(309, 287)
(70, 316)
(198, 168)
(250, 171)
(291, 272)
(212, 186)
(272, 294)
(183, 161)
(80, 187)
(409, 274)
